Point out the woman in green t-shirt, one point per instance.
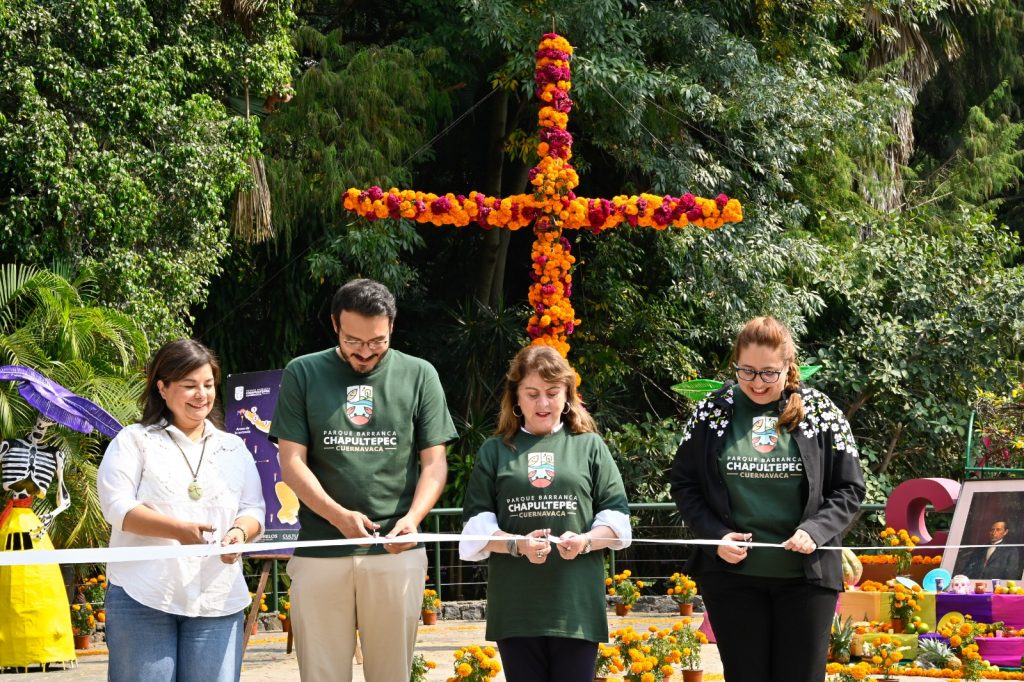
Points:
(768, 461)
(546, 489)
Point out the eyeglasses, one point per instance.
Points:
(768, 376)
(356, 344)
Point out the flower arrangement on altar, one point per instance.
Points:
(681, 588)
(915, 560)
(420, 666)
(904, 602)
(838, 672)
(905, 542)
(624, 588)
(886, 653)
(475, 664)
(960, 632)
(431, 604)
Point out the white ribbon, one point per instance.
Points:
(107, 555)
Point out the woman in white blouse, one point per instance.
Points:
(175, 478)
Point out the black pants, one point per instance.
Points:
(548, 659)
(769, 629)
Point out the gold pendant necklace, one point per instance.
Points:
(195, 491)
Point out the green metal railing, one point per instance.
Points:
(434, 521)
(436, 564)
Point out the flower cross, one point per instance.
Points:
(552, 206)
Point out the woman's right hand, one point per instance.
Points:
(191, 532)
(537, 547)
(730, 553)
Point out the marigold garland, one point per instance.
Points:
(552, 206)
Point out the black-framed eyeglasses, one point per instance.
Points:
(768, 376)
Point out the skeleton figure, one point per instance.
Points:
(27, 469)
(36, 627)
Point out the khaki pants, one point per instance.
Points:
(384, 592)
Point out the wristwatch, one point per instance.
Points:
(513, 548)
(587, 547)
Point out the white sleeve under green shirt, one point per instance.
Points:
(363, 434)
(561, 481)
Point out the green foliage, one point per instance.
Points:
(55, 326)
(358, 114)
(644, 453)
(117, 154)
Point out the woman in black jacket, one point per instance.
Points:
(767, 460)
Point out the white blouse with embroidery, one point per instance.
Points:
(143, 465)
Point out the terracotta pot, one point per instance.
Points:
(897, 626)
(83, 641)
(286, 625)
(255, 626)
(693, 676)
(686, 609)
(622, 609)
(429, 617)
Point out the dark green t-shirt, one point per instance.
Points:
(559, 481)
(764, 475)
(363, 434)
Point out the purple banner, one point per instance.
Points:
(248, 409)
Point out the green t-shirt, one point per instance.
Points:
(363, 434)
(559, 481)
(764, 475)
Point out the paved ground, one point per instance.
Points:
(266, 660)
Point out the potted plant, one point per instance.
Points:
(648, 657)
(431, 605)
(689, 643)
(476, 664)
(420, 666)
(625, 589)
(83, 624)
(903, 604)
(609, 662)
(682, 590)
(284, 613)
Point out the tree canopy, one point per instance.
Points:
(875, 148)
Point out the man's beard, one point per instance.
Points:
(353, 358)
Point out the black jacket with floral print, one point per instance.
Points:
(835, 485)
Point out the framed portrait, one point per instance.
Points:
(989, 514)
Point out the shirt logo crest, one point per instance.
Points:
(359, 404)
(540, 468)
(765, 435)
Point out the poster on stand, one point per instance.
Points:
(248, 409)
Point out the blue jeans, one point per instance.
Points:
(148, 645)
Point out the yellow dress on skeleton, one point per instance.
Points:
(35, 629)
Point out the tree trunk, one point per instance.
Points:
(517, 184)
(495, 161)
